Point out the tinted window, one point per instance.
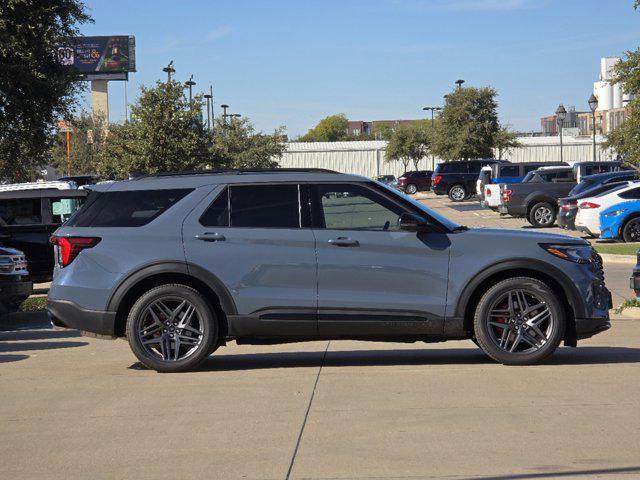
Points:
(125, 208)
(265, 206)
(24, 211)
(474, 167)
(634, 194)
(217, 215)
(454, 167)
(353, 207)
(63, 208)
(509, 171)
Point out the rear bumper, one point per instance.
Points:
(71, 315)
(439, 189)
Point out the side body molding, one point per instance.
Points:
(168, 267)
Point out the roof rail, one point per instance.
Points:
(241, 171)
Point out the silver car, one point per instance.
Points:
(180, 264)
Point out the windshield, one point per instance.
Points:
(443, 220)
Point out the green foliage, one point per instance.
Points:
(330, 129)
(35, 89)
(617, 248)
(409, 143)
(34, 304)
(168, 134)
(629, 303)
(505, 141)
(87, 139)
(468, 125)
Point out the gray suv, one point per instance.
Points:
(180, 264)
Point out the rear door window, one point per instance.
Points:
(23, 211)
(509, 171)
(126, 208)
(632, 194)
(265, 206)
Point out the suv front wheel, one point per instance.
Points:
(172, 328)
(519, 321)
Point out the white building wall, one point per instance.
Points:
(369, 158)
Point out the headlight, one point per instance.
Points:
(614, 213)
(572, 253)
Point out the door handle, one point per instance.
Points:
(344, 242)
(211, 237)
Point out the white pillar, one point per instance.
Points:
(100, 99)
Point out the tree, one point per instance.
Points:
(168, 134)
(409, 143)
(625, 139)
(329, 129)
(505, 141)
(35, 89)
(468, 125)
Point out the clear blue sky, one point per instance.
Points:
(293, 62)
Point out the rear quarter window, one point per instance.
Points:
(126, 208)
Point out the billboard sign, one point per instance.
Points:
(108, 57)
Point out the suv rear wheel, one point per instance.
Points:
(457, 193)
(542, 214)
(411, 189)
(519, 321)
(172, 328)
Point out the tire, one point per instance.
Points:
(631, 230)
(531, 337)
(457, 193)
(542, 214)
(157, 315)
(411, 189)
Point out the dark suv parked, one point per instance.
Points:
(182, 264)
(458, 179)
(411, 182)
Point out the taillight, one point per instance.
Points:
(506, 194)
(437, 179)
(70, 247)
(587, 205)
(568, 205)
(487, 193)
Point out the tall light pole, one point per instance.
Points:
(561, 114)
(169, 70)
(459, 82)
(433, 109)
(593, 104)
(190, 84)
(224, 113)
(213, 124)
(208, 96)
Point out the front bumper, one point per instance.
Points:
(71, 315)
(588, 327)
(587, 230)
(13, 290)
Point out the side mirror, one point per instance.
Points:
(411, 222)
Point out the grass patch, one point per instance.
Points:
(34, 304)
(628, 304)
(617, 248)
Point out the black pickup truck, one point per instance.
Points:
(536, 198)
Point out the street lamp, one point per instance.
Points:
(433, 109)
(561, 114)
(593, 104)
(169, 70)
(190, 84)
(459, 82)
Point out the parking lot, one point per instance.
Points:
(84, 408)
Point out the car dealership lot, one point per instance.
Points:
(81, 407)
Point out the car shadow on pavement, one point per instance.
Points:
(592, 473)
(455, 356)
(30, 346)
(12, 358)
(38, 334)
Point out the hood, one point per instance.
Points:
(485, 234)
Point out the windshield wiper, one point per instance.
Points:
(460, 228)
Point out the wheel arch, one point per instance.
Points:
(126, 293)
(547, 273)
(531, 202)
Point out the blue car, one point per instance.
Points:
(621, 221)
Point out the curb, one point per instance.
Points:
(612, 258)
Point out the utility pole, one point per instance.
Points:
(190, 84)
(208, 97)
(224, 113)
(433, 109)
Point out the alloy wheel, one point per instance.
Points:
(170, 329)
(543, 215)
(633, 231)
(520, 322)
(457, 194)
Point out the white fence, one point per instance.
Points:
(369, 158)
